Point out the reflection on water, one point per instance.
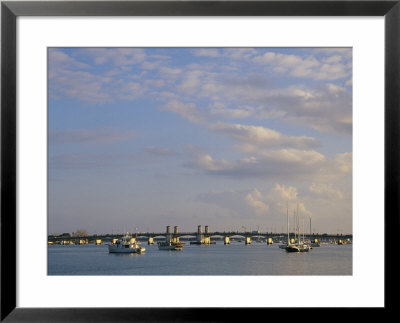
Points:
(217, 259)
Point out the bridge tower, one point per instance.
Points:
(176, 232)
(227, 240)
(202, 238)
(168, 234)
(207, 237)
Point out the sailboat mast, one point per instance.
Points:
(294, 225)
(298, 223)
(287, 217)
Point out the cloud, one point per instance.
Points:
(208, 52)
(254, 200)
(254, 137)
(71, 78)
(255, 203)
(220, 110)
(116, 56)
(89, 136)
(325, 108)
(191, 81)
(170, 71)
(325, 191)
(330, 68)
(92, 88)
(284, 164)
(238, 88)
(57, 60)
(226, 53)
(185, 110)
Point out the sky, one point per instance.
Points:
(232, 138)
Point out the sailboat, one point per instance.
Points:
(300, 246)
(284, 246)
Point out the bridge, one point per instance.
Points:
(199, 237)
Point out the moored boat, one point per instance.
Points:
(297, 248)
(171, 245)
(171, 241)
(126, 244)
(300, 245)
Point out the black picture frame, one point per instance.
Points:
(11, 10)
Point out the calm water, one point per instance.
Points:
(218, 259)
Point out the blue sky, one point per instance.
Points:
(142, 138)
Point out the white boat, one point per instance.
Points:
(126, 244)
(171, 245)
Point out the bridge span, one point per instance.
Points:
(198, 237)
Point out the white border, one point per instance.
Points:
(365, 34)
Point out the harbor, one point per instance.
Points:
(237, 258)
(202, 252)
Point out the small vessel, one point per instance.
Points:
(171, 241)
(297, 248)
(126, 244)
(300, 246)
(170, 245)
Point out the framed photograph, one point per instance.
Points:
(185, 160)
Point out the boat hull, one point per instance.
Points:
(114, 249)
(295, 248)
(177, 246)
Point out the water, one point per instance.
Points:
(217, 259)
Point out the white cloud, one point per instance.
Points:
(255, 137)
(306, 66)
(254, 200)
(116, 56)
(273, 203)
(284, 164)
(73, 79)
(185, 110)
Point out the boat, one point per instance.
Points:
(315, 244)
(171, 241)
(126, 244)
(300, 246)
(170, 245)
